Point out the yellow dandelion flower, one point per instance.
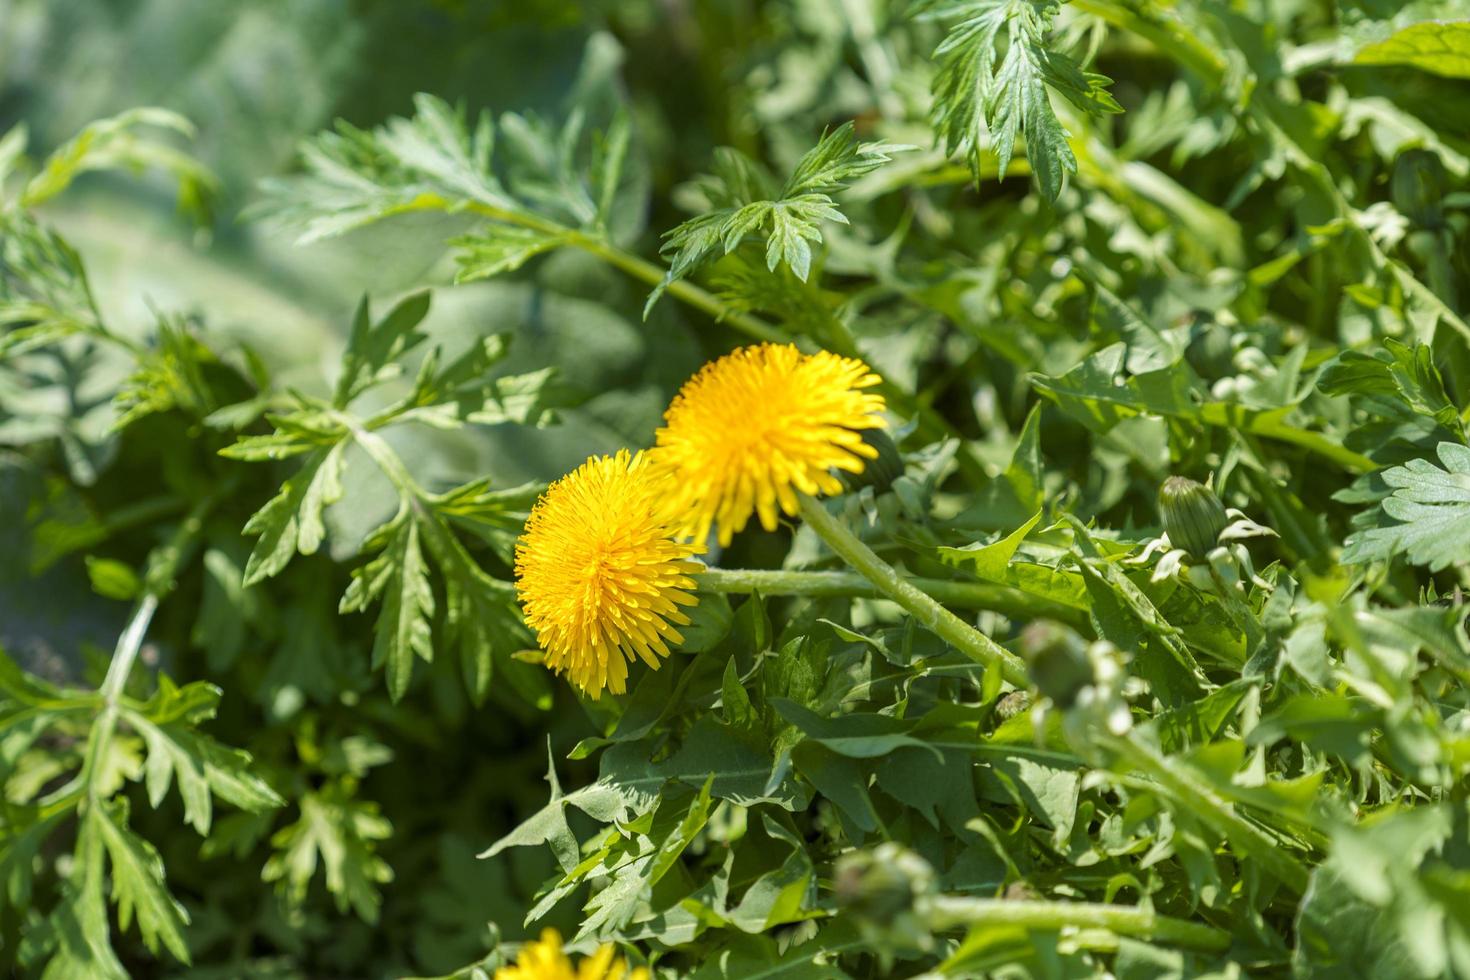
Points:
(544, 960)
(599, 574)
(759, 425)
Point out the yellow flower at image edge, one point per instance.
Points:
(544, 960)
(599, 575)
(758, 426)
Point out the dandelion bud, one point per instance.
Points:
(1193, 516)
(886, 890)
(1057, 660)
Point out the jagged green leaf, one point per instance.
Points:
(1426, 517)
(788, 222)
(341, 834)
(138, 885)
(977, 94)
(1437, 46)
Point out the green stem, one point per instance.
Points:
(639, 268)
(1271, 427)
(681, 289)
(164, 561)
(99, 739)
(126, 651)
(141, 512)
(383, 455)
(919, 604)
(949, 911)
(1240, 614)
(967, 595)
(1164, 30)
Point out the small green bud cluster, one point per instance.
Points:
(1057, 660)
(1086, 681)
(887, 890)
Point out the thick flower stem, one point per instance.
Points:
(1240, 614)
(919, 604)
(967, 595)
(951, 911)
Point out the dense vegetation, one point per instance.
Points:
(1129, 639)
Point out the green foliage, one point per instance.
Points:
(1393, 383)
(341, 834)
(540, 186)
(479, 608)
(1423, 516)
(45, 296)
(743, 201)
(268, 690)
(113, 144)
(1441, 48)
(75, 940)
(979, 92)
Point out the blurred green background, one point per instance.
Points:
(258, 76)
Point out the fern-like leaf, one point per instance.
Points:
(789, 220)
(976, 93)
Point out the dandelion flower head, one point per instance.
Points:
(545, 960)
(758, 426)
(600, 577)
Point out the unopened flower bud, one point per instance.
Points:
(886, 890)
(1193, 516)
(883, 882)
(1056, 658)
